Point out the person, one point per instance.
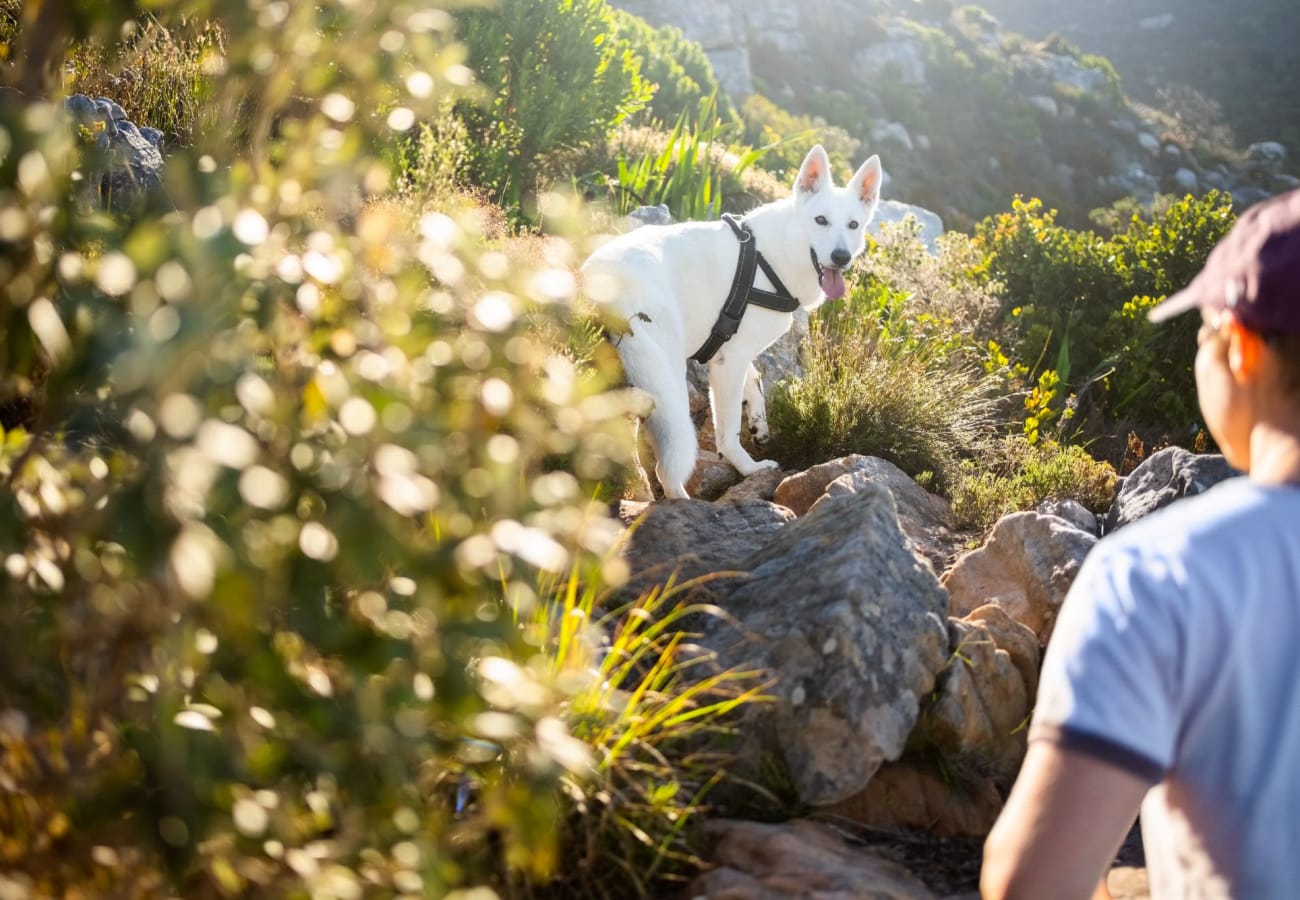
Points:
(1169, 684)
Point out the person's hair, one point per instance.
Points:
(1287, 347)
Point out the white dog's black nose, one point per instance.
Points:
(841, 258)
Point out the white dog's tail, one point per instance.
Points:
(662, 375)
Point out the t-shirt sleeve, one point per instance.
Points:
(1110, 683)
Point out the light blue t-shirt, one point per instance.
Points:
(1177, 656)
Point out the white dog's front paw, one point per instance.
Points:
(757, 466)
(759, 431)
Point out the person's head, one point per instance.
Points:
(1248, 293)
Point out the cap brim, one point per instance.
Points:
(1176, 304)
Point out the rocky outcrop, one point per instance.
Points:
(1025, 567)
(1070, 135)
(124, 163)
(1162, 478)
(852, 626)
(895, 703)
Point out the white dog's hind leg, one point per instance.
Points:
(726, 389)
(672, 433)
(756, 405)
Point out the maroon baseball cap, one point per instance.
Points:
(1254, 271)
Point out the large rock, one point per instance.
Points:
(1026, 566)
(915, 796)
(684, 539)
(852, 627)
(1162, 478)
(796, 860)
(980, 704)
(926, 519)
(928, 226)
(125, 166)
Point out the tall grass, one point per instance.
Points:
(162, 77)
(688, 174)
(878, 384)
(655, 711)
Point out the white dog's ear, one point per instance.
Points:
(866, 181)
(815, 173)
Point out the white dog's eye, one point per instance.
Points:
(822, 220)
(853, 225)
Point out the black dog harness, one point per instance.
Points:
(743, 292)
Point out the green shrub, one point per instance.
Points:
(676, 68)
(691, 174)
(878, 382)
(654, 711)
(787, 138)
(1019, 474)
(1069, 298)
(555, 78)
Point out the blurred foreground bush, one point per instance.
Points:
(297, 475)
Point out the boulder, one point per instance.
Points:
(913, 795)
(1026, 566)
(1072, 511)
(796, 860)
(1265, 158)
(927, 224)
(1162, 478)
(125, 166)
(980, 705)
(852, 627)
(690, 538)
(926, 519)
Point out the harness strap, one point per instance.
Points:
(743, 292)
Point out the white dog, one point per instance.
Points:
(670, 284)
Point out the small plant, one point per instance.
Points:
(655, 713)
(1018, 474)
(688, 174)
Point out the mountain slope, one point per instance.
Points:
(1240, 55)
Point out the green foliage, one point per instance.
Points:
(1067, 297)
(879, 382)
(690, 174)
(555, 78)
(298, 466)
(654, 711)
(675, 67)
(787, 137)
(1019, 474)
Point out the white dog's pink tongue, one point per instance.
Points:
(833, 284)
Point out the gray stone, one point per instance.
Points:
(852, 627)
(891, 133)
(649, 215)
(124, 170)
(1073, 512)
(1186, 182)
(1046, 104)
(685, 539)
(1162, 478)
(928, 225)
(1266, 157)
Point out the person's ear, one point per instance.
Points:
(1245, 349)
